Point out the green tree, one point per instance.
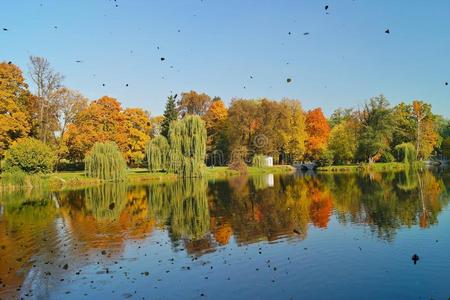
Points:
(105, 162)
(187, 139)
(376, 129)
(170, 115)
(343, 142)
(157, 154)
(446, 148)
(403, 125)
(340, 115)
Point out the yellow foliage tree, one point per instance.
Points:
(14, 98)
(138, 133)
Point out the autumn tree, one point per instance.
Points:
(241, 125)
(426, 136)
(318, 133)
(215, 122)
(105, 120)
(14, 99)
(170, 115)
(193, 103)
(138, 129)
(267, 127)
(47, 82)
(69, 104)
(292, 130)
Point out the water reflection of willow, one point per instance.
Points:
(94, 220)
(183, 205)
(106, 202)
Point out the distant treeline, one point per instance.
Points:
(70, 125)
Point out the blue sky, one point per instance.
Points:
(215, 46)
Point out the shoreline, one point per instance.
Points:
(72, 180)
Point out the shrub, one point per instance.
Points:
(238, 164)
(30, 156)
(387, 157)
(106, 162)
(325, 158)
(259, 161)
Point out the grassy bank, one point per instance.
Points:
(78, 179)
(377, 167)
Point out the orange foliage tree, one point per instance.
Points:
(215, 122)
(105, 120)
(318, 131)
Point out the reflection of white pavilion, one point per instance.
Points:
(269, 180)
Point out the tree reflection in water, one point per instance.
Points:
(202, 216)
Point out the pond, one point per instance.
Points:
(297, 236)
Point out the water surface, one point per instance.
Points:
(270, 237)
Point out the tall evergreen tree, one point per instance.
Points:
(170, 114)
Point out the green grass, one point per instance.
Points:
(78, 179)
(281, 169)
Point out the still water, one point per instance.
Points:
(315, 236)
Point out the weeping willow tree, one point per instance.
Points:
(406, 153)
(259, 161)
(158, 154)
(187, 139)
(106, 202)
(106, 162)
